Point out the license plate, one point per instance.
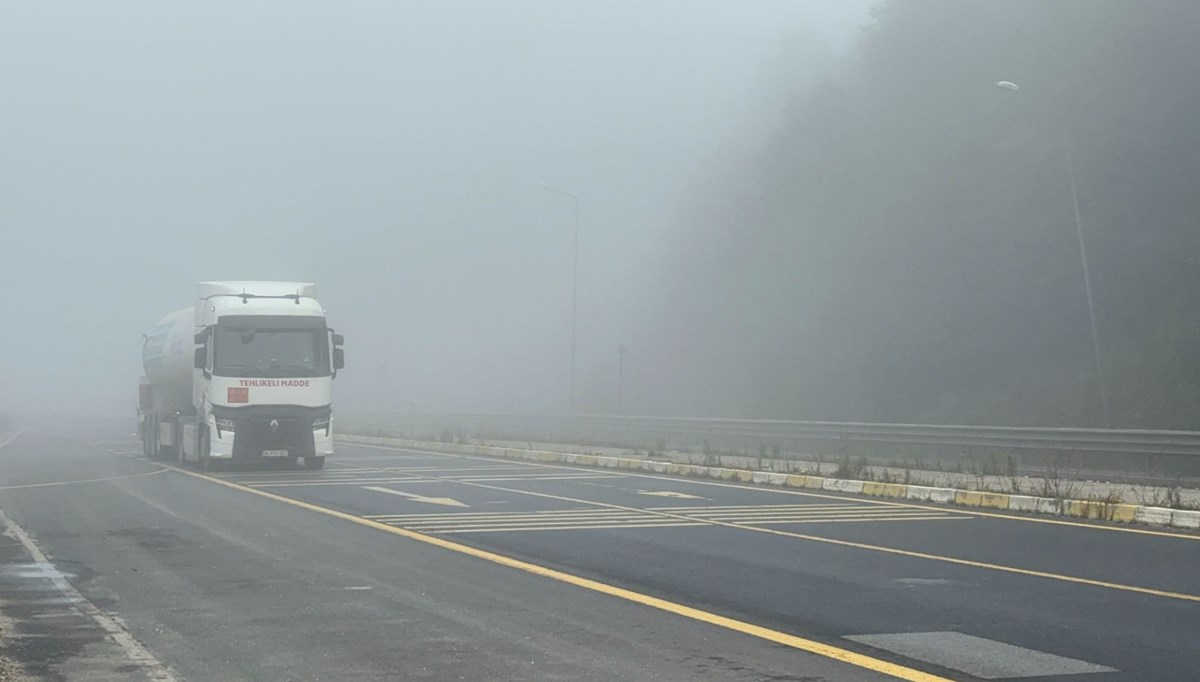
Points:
(275, 453)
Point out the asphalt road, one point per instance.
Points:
(394, 564)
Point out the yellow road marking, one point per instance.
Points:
(349, 481)
(754, 507)
(86, 480)
(451, 516)
(569, 510)
(541, 528)
(944, 508)
(779, 514)
(864, 545)
(801, 509)
(782, 638)
(874, 548)
(292, 483)
(605, 518)
(350, 470)
(496, 523)
(785, 491)
(870, 519)
(536, 477)
(570, 525)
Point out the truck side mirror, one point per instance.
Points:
(200, 358)
(339, 359)
(338, 339)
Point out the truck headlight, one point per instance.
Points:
(321, 424)
(225, 424)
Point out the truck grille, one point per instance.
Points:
(272, 433)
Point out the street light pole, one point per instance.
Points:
(1097, 356)
(574, 288)
(1087, 285)
(621, 378)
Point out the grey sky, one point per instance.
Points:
(388, 151)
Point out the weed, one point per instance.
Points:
(1059, 480)
(851, 468)
(1156, 496)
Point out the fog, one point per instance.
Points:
(805, 210)
(390, 152)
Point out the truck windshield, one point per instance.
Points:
(270, 352)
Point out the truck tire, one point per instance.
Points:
(152, 435)
(147, 439)
(314, 462)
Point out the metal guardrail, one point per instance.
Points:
(1175, 452)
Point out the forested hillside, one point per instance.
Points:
(903, 247)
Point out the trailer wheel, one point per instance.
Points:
(152, 438)
(314, 462)
(147, 438)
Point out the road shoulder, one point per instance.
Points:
(51, 631)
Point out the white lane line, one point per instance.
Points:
(756, 507)
(513, 529)
(872, 519)
(137, 653)
(531, 477)
(302, 475)
(12, 437)
(356, 481)
(540, 513)
(449, 522)
(983, 658)
(426, 470)
(85, 480)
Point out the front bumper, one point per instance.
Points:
(263, 428)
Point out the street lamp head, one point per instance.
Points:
(551, 188)
(1008, 85)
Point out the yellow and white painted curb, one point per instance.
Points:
(1084, 509)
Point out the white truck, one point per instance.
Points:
(245, 374)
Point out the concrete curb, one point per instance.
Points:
(1081, 509)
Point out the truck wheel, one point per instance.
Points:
(147, 450)
(155, 449)
(314, 462)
